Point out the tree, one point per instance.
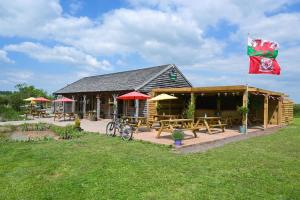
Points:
(25, 91)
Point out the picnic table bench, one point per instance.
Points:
(211, 122)
(170, 125)
(58, 116)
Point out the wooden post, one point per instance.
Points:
(137, 107)
(73, 104)
(266, 111)
(219, 105)
(98, 109)
(115, 105)
(84, 105)
(193, 103)
(279, 113)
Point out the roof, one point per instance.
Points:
(120, 81)
(216, 89)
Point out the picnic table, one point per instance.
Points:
(157, 118)
(211, 122)
(171, 124)
(136, 122)
(59, 115)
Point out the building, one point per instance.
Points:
(265, 107)
(97, 94)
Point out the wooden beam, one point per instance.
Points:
(214, 89)
(98, 108)
(266, 111)
(193, 103)
(279, 113)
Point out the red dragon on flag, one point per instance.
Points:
(262, 55)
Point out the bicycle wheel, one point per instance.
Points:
(126, 132)
(110, 129)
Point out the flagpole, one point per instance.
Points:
(247, 97)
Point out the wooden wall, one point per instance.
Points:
(164, 81)
(287, 111)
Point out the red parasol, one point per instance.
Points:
(41, 99)
(64, 100)
(134, 95)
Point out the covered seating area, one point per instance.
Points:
(216, 113)
(37, 107)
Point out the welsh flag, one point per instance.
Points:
(263, 65)
(260, 47)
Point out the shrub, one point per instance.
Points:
(177, 135)
(67, 132)
(34, 126)
(7, 113)
(77, 123)
(190, 110)
(297, 110)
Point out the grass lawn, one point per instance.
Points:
(100, 167)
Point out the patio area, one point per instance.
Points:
(202, 136)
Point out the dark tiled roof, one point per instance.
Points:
(128, 80)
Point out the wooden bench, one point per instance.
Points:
(212, 122)
(170, 125)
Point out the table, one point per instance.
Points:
(59, 115)
(170, 125)
(157, 118)
(211, 122)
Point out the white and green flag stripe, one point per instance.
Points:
(265, 48)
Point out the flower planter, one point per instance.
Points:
(178, 142)
(242, 129)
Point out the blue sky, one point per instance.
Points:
(51, 43)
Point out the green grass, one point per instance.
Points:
(99, 167)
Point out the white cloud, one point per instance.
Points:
(18, 76)
(4, 58)
(159, 31)
(23, 17)
(62, 54)
(75, 6)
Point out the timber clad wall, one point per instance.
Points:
(287, 111)
(164, 81)
(151, 107)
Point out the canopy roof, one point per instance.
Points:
(134, 95)
(41, 99)
(163, 97)
(29, 99)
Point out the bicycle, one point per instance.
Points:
(119, 125)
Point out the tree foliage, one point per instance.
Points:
(16, 98)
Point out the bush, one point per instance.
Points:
(297, 110)
(177, 135)
(67, 132)
(9, 114)
(77, 123)
(34, 126)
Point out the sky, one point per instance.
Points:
(52, 43)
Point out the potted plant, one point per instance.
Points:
(158, 107)
(177, 136)
(243, 110)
